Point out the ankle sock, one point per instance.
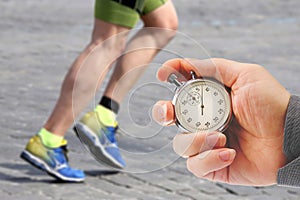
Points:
(110, 104)
(49, 139)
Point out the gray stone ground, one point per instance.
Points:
(40, 39)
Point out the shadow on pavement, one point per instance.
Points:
(101, 172)
(32, 174)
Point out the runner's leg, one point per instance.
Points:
(85, 75)
(160, 27)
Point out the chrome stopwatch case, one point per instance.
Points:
(201, 105)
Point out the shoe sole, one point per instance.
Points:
(40, 164)
(91, 142)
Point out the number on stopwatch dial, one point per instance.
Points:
(201, 105)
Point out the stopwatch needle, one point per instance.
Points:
(202, 105)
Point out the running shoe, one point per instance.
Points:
(99, 140)
(53, 161)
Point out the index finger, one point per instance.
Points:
(225, 71)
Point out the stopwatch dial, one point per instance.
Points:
(202, 105)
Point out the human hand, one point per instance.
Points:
(250, 151)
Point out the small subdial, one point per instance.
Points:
(194, 98)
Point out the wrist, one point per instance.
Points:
(289, 174)
(292, 129)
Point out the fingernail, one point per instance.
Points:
(159, 112)
(227, 155)
(212, 139)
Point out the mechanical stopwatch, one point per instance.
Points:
(201, 104)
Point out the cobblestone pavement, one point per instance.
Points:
(40, 39)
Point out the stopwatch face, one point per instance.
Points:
(202, 105)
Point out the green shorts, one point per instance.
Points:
(127, 13)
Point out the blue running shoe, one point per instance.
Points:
(99, 140)
(53, 161)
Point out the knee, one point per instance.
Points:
(170, 24)
(164, 29)
(113, 45)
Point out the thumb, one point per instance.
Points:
(223, 70)
(163, 113)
